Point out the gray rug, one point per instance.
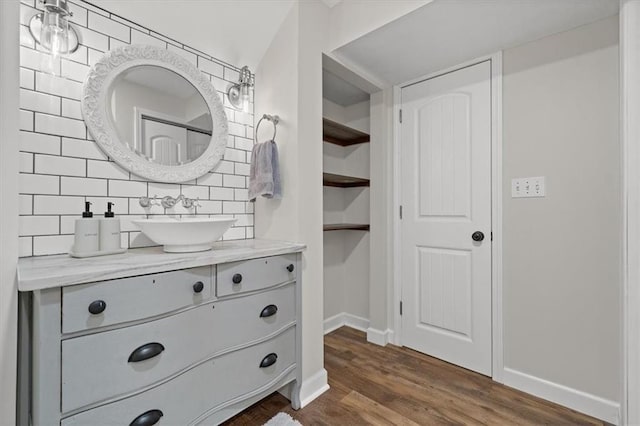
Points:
(282, 419)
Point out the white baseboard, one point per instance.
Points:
(379, 337)
(592, 405)
(313, 387)
(342, 319)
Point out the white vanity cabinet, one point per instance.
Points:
(190, 346)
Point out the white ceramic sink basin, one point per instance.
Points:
(181, 235)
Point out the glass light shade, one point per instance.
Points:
(55, 33)
(245, 97)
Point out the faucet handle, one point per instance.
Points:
(146, 202)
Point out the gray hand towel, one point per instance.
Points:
(264, 173)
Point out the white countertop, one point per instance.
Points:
(38, 273)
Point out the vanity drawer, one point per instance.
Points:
(134, 298)
(97, 366)
(239, 277)
(187, 397)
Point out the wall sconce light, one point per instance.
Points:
(51, 30)
(239, 94)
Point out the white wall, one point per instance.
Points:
(9, 78)
(289, 83)
(562, 253)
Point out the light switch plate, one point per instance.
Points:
(528, 187)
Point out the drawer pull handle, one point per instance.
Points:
(198, 287)
(269, 311)
(268, 360)
(149, 418)
(237, 278)
(290, 268)
(146, 352)
(97, 307)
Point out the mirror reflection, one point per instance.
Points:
(160, 115)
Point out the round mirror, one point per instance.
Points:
(155, 114)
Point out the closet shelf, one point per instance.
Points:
(340, 181)
(342, 135)
(345, 226)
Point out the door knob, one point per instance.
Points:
(477, 236)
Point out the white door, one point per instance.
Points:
(446, 198)
(164, 143)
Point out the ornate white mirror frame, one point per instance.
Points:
(95, 110)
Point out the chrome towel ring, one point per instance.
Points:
(274, 119)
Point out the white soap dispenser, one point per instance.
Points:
(86, 238)
(109, 230)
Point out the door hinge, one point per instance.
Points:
(400, 212)
(401, 116)
(400, 307)
(491, 235)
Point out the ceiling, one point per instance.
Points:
(445, 33)
(235, 31)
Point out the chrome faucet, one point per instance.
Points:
(169, 202)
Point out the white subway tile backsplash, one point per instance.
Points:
(74, 71)
(191, 57)
(26, 162)
(99, 205)
(94, 40)
(27, 79)
(192, 191)
(210, 67)
(210, 179)
(52, 244)
(38, 184)
(82, 186)
(25, 38)
(71, 109)
(79, 55)
(79, 15)
(233, 181)
(33, 59)
(25, 246)
(58, 86)
(231, 154)
(25, 204)
(39, 102)
(40, 143)
(234, 234)
(140, 38)
(62, 126)
(210, 207)
(26, 120)
(232, 207)
(82, 149)
(241, 194)
(39, 225)
(61, 166)
(124, 188)
(231, 74)
(243, 143)
(224, 167)
(106, 169)
(49, 204)
(221, 193)
(242, 169)
(237, 129)
(109, 27)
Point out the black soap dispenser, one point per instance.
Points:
(109, 230)
(86, 233)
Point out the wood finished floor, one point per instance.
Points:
(398, 386)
